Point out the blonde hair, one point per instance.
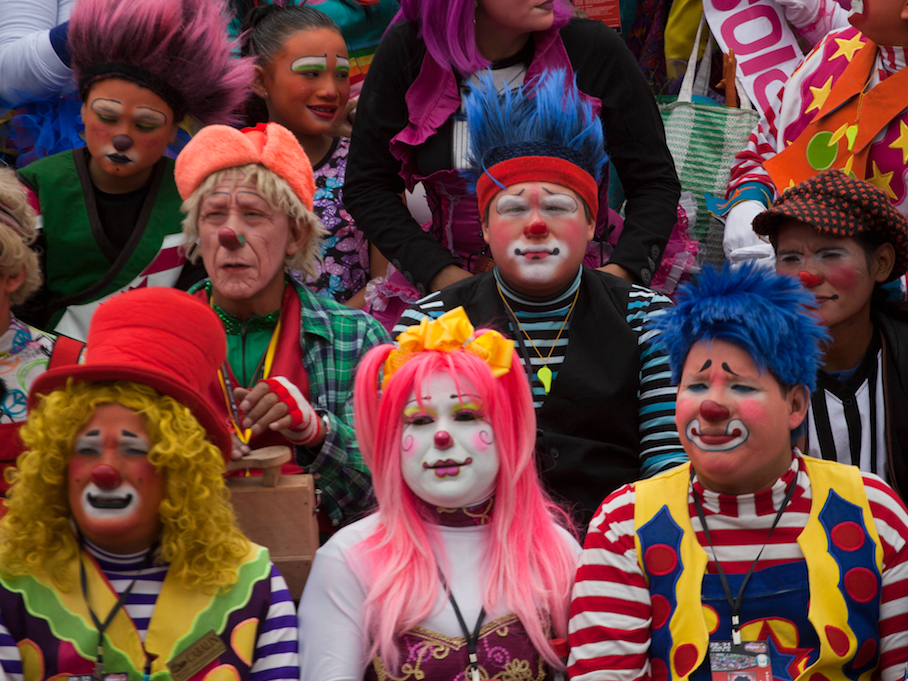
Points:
(200, 538)
(15, 254)
(279, 196)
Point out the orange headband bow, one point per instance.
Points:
(452, 331)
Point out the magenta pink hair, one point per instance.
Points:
(448, 30)
(183, 43)
(531, 566)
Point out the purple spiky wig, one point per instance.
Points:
(179, 49)
(766, 314)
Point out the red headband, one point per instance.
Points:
(537, 169)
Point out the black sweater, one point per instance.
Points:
(635, 138)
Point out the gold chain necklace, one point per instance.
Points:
(544, 374)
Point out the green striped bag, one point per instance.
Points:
(704, 138)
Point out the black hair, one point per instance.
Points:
(267, 28)
(265, 31)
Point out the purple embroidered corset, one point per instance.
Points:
(504, 652)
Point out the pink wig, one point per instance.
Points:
(531, 567)
(448, 30)
(177, 48)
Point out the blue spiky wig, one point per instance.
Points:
(543, 131)
(765, 314)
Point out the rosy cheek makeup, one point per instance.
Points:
(842, 278)
(406, 445)
(482, 441)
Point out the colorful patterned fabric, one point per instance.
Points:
(803, 98)
(834, 203)
(344, 267)
(614, 612)
(53, 633)
(24, 355)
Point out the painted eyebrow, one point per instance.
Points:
(93, 433)
(126, 433)
(149, 114)
(725, 367)
(706, 365)
(101, 104)
(318, 62)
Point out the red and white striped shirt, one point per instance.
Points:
(611, 609)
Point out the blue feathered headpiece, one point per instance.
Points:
(546, 117)
(766, 314)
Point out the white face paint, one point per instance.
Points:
(736, 433)
(537, 233)
(448, 456)
(102, 504)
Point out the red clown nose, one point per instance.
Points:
(105, 476)
(713, 411)
(809, 280)
(537, 228)
(443, 440)
(229, 239)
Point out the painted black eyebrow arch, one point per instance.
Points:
(725, 366)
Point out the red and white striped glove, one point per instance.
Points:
(307, 426)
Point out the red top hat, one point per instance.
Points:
(159, 337)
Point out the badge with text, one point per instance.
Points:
(105, 677)
(196, 657)
(748, 661)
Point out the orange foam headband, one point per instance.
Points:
(537, 169)
(219, 147)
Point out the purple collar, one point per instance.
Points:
(480, 514)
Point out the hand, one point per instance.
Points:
(343, 126)
(262, 409)
(739, 231)
(278, 405)
(617, 270)
(448, 275)
(239, 450)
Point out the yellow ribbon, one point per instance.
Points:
(452, 331)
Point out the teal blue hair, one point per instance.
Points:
(544, 118)
(766, 314)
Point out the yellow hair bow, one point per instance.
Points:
(452, 331)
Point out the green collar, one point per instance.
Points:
(236, 327)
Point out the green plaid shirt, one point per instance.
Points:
(333, 339)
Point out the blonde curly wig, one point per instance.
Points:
(200, 538)
(16, 233)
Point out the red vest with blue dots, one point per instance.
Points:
(830, 638)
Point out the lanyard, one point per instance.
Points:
(102, 627)
(735, 603)
(227, 385)
(472, 639)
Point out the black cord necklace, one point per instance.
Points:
(472, 638)
(102, 626)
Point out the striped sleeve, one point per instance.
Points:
(276, 651)
(10, 659)
(660, 447)
(430, 307)
(766, 140)
(610, 618)
(891, 520)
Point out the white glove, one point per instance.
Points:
(740, 242)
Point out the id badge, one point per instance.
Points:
(748, 661)
(105, 677)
